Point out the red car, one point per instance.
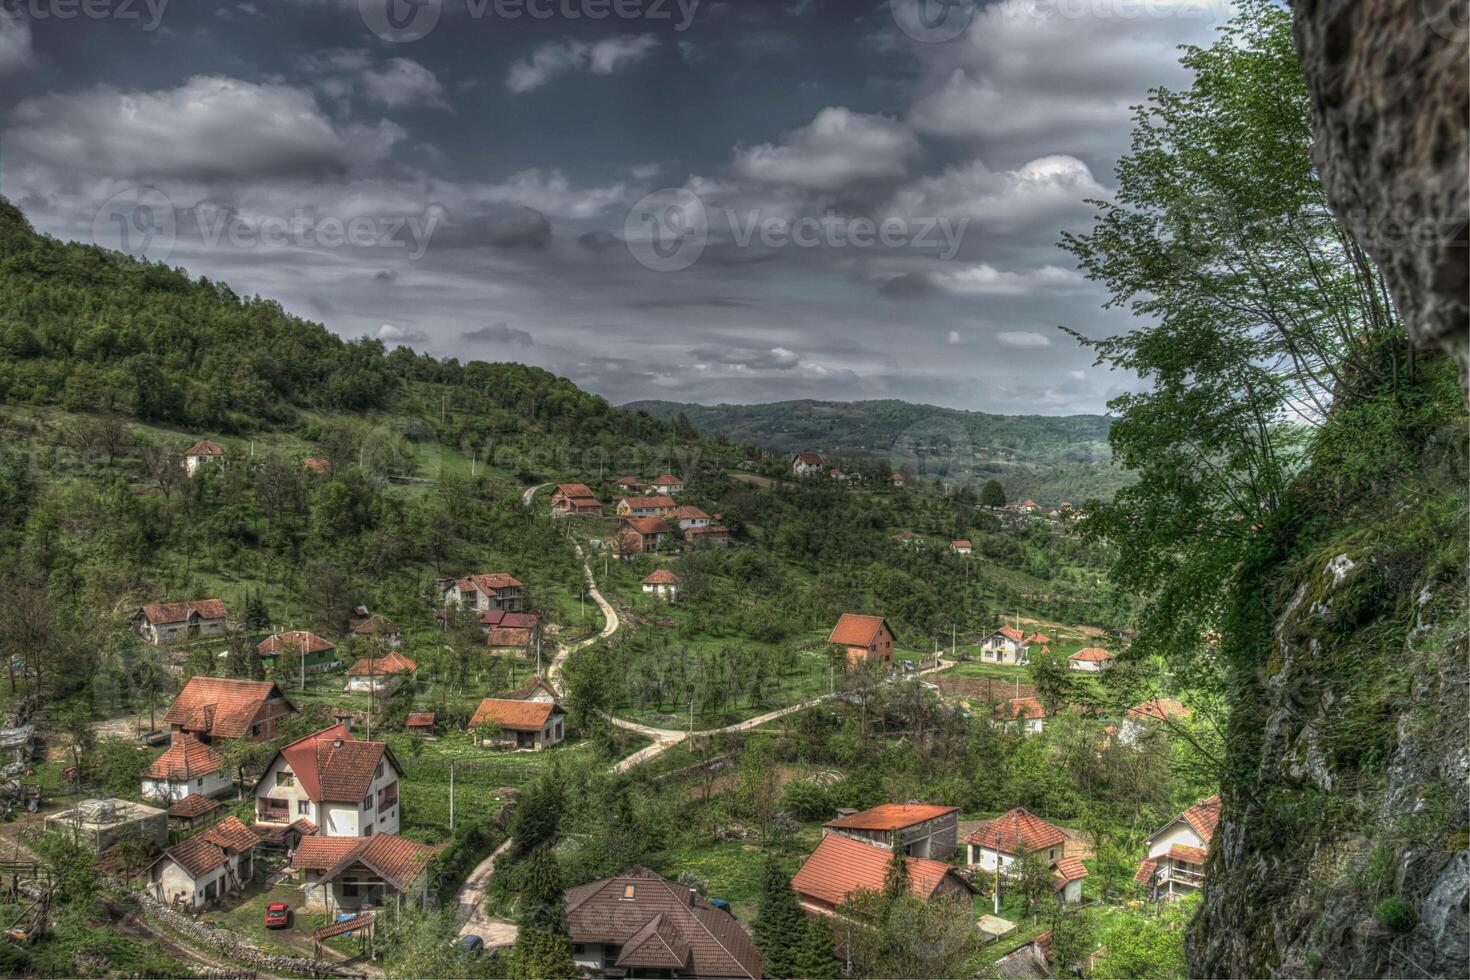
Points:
(277, 915)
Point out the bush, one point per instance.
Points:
(1396, 914)
(806, 800)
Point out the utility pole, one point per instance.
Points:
(451, 795)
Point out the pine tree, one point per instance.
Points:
(779, 925)
(543, 947)
(814, 959)
(992, 494)
(896, 877)
(257, 617)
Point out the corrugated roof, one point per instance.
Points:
(891, 816)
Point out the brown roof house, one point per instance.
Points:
(509, 723)
(667, 484)
(962, 546)
(212, 708)
(1001, 844)
(419, 723)
(195, 812)
(535, 689)
(711, 536)
(807, 464)
(920, 830)
(497, 590)
(181, 622)
(359, 874)
(840, 867)
(202, 453)
(380, 674)
(377, 627)
(1027, 714)
(200, 870)
(575, 498)
(658, 506)
(511, 632)
(640, 535)
(868, 639)
(187, 767)
(1175, 865)
(664, 584)
(641, 925)
(312, 653)
(346, 787)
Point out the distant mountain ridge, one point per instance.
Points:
(1046, 457)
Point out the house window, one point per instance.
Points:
(387, 796)
(629, 892)
(349, 889)
(254, 729)
(199, 782)
(367, 802)
(303, 807)
(285, 778)
(1051, 855)
(379, 773)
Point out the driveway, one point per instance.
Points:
(470, 901)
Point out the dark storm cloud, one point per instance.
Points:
(509, 160)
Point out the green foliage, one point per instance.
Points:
(1147, 942)
(896, 875)
(780, 927)
(1396, 914)
(815, 959)
(541, 907)
(908, 937)
(117, 766)
(992, 494)
(806, 799)
(72, 867)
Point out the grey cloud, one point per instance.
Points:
(498, 333)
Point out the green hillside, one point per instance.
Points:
(1048, 458)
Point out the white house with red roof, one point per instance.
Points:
(187, 767)
(666, 484)
(1000, 845)
(199, 870)
(202, 453)
(1026, 714)
(570, 499)
(1091, 660)
(807, 464)
(512, 723)
(962, 546)
(1151, 714)
(1175, 865)
(357, 874)
(690, 516)
(1006, 645)
(346, 787)
(918, 829)
(380, 674)
(664, 584)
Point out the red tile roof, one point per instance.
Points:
(651, 503)
(510, 620)
(419, 719)
(961, 543)
(186, 758)
(376, 623)
(576, 491)
(536, 683)
(689, 512)
(1091, 655)
(1159, 709)
(394, 663)
(662, 576)
(667, 480)
(1019, 832)
(1145, 870)
(1027, 708)
(907, 536)
(512, 715)
(212, 848)
(628, 481)
(333, 767)
(841, 866)
(301, 641)
(1187, 854)
(395, 859)
(316, 464)
(856, 630)
(648, 525)
(167, 613)
(1011, 633)
(222, 707)
(1070, 869)
(650, 924)
(1204, 816)
(1038, 637)
(890, 816)
(204, 448)
(810, 459)
(193, 806)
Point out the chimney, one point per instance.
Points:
(336, 743)
(693, 897)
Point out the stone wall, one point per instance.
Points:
(233, 947)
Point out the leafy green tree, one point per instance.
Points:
(536, 821)
(72, 867)
(780, 926)
(992, 494)
(117, 766)
(542, 947)
(1147, 942)
(1072, 938)
(1034, 881)
(1052, 677)
(896, 875)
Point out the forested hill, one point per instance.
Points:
(1050, 458)
(87, 329)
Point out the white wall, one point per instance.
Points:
(1178, 832)
(169, 791)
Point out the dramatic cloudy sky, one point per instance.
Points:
(657, 198)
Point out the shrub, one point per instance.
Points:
(806, 800)
(1396, 914)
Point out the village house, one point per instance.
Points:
(187, 767)
(535, 689)
(577, 499)
(909, 538)
(690, 516)
(347, 874)
(202, 453)
(962, 547)
(317, 465)
(380, 674)
(896, 480)
(712, 536)
(841, 866)
(1026, 714)
(195, 812)
(212, 708)
(1175, 865)
(1006, 645)
(523, 725)
(1150, 714)
(660, 506)
(641, 925)
(641, 535)
(1092, 660)
(868, 639)
(511, 632)
(346, 787)
(666, 484)
(181, 622)
(664, 584)
(919, 830)
(1029, 506)
(377, 628)
(629, 483)
(497, 590)
(1003, 843)
(313, 654)
(419, 723)
(200, 870)
(806, 464)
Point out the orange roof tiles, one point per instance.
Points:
(689, 512)
(662, 576)
(1038, 637)
(1187, 854)
(166, 613)
(516, 716)
(1204, 817)
(419, 719)
(301, 641)
(210, 849)
(647, 525)
(891, 816)
(204, 448)
(841, 866)
(1159, 709)
(1091, 655)
(396, 859)
(1071, 869)
(394, 663)
(193, 806)
(576, 491)
(1026, 708)
(536, 683)
(186, 758)
(376, 623)
(651, 503)
(222, 707)
(961, 543)
(1017, 832)
(667, 480)
(856, 630)
(1145, 870)
(1011, 633)
(334, 767)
